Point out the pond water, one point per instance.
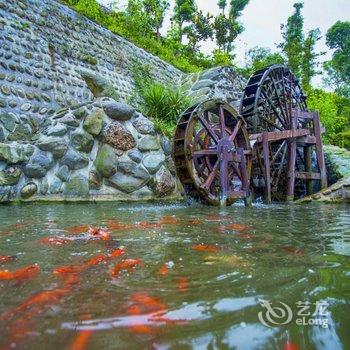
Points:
(190, 278)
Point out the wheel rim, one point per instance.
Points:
(210, 140)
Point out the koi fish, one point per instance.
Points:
(169, 220)
(236, 227)
(81, 340)
(30, 271)
(100, 233)
(164, 270)
(126, 264)
(7, 258)
(146, 224)
(147, 303)
(62, 270)
(194, 222)
(206, 248)
(116, 225)
(182, 284)
(78, 229)
(117, 252)
(290, 346)
(54, 241)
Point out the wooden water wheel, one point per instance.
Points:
(212, 153)
(275, 110)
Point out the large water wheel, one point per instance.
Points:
(271, 99)
(212, 153)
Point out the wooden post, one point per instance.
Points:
(266, 154)
(319, 150)
(308, 167)
(245, 179)
(292, 155)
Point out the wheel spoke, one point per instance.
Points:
(222, 121)
(224, 175)
(209, 129)
(205, 152)
(211, 176)
(235, 130)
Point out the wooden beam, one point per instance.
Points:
(302, 114)
(266, 154)
(292, 156)
(306, 140)
(308, 167)
(279, 135)
(303, 175)
(319, 150)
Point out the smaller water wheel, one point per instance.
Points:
(212, 153)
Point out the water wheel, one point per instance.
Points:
(212, 153)
(270, 98)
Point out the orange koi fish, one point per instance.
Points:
(99, 233)
(117, 252)
(182, 284)
(146, 224)
(194, 222)
(30, 271)
(116, 225)
(126, 264)
(54, 241)
(169, 220)
(290, 346)
(78, 229)
(164, 270)
(236, 227)
(7, 258)
(62, 270)
(206, 248)
(81, 340)
(147, 303)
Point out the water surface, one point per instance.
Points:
(179, 296)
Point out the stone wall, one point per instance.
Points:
(52, 57)
(103, 150)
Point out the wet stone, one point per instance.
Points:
(63, 173)
(77, 186)
(28, 190)
(74, 160)
(117, 110)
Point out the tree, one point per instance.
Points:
(155, 10)
(309, 63)
(227, 28)
(338, 68)
(184, 11)
(298, 49)
(292, 34)
(222, 5)
(260, 57)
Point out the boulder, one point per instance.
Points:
(166, 145)
(99, 86)
(82, 141)
(55, 185)
(44, 186)
(6, 193)
(119, 137)
(9, 120)
(77, 186)
(106, 161)
(93, 122)
(63, 173)
(2, 134)
(148, 143)
(57, 130)
(80, 112)
(117, 110)
(164, 183)
(144, 125)
(13, 153)
(22, 132)
(127, 183)
(135, 155)
(205, 83)
(10, 176)
(29, 190)
(153, 162)
(56, 145)
(74, 160)
(70, 120)
(38, 165)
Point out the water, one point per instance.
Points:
(177, 296)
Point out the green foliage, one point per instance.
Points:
(298, 50)
(334, 113)
(338, 68)
(258, 58)
(184, 11)
(221, 58)
(163, 104)
(227, 28)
